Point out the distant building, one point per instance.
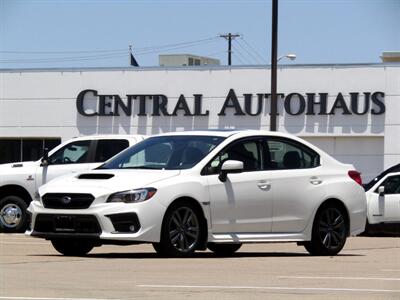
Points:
(176, 60)
(390, 56)
(351, 111)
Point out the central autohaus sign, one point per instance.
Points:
(252, 104)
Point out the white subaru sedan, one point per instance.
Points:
(191, 191)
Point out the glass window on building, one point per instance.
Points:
(10, 151)
(26, 149)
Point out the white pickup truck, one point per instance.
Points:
(20, 181)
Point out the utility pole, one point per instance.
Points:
(229, 37)
(274, 62)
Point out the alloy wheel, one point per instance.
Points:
(332, 228)
(184, 229)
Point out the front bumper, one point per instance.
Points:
(134, 222)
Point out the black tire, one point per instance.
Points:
(224, 249)
(181, 232)
(329, 231)
(13, 214)
(72, 247)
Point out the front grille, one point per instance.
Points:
(67, 201)
(49, 223)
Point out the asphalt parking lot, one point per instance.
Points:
(368, 268)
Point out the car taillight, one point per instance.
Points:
(356, 176)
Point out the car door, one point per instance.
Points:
(295, 184)
(243, 203)
(71, 158)
(386, 207)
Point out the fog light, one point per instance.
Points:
(132, 228)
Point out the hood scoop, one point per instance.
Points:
(96, 176)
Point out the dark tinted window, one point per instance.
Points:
(245, 151)
(284, 154)
(165, 152)
(10, 151)
(392, 185)
(108, 148)
(51, 143)
(72, 153)
(32, 149)
(26, 149)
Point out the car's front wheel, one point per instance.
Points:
(72, 247)
(13, 215)
(224, 249)
(181, 231)
(329, 231)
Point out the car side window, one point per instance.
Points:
(245, 151)
(108, 148)
(284, 155)
(72, 153)
(391, 184)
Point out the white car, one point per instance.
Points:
(383, 203)
(20, 181)
(191, 190)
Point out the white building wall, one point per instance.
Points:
(43, 104)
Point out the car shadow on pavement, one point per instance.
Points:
(209, 255)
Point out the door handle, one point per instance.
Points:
(264, 185)
(315, 180)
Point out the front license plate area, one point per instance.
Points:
(64, 224)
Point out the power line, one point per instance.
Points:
(105, 55)
(249, 53)
(254, 50)
(112, 50)
(244, 59)
(48, 60)
(62, 52)
(237, 56)
(173, 48)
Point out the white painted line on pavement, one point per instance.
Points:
(23, 243)
(339, 278)
(284, 288)
(53, 298)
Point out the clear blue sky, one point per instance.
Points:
(351, 31)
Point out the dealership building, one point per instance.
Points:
(352, 111)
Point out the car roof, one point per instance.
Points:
(108, 136)
(226, 133)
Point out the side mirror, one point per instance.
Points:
(45, 158)
(381, 191)
(230, 166)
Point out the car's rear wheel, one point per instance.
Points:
(223, 249)
(329, 231)
(181, 231)
(72, 247)
(13, 215)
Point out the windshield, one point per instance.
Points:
(165, 152)
(393, 169)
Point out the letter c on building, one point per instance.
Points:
(79, 103)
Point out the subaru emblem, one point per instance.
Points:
(66, 199)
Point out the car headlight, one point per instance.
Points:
(132, 196)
